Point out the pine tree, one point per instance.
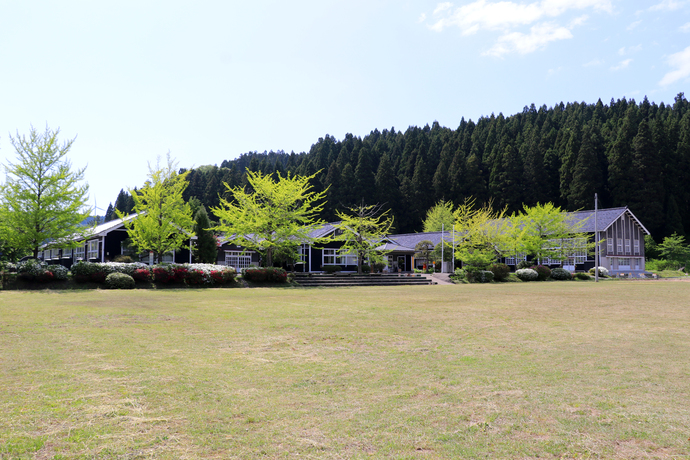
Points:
(206, 246)
(587, 174)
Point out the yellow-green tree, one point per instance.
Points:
(481, 234)
(272, 216)
(163, 220)
(544, 231)
(361, 231)
(439, 217)
(43, 200)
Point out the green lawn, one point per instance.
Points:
(516, 370)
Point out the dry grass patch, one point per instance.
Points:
(524, 370)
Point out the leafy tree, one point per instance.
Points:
(362, 229)
(206, 246)
(272, 216)
(423, 250)
(544, 231)
(481, 234)
(164, 221)
(439, 217)
(446, 254)
(42, 199)
(674, 250)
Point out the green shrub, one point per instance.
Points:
(484, 276)
(543, 271)
(527, 274)
(378, 267)
(366, 268)
(500, 271)
(332, 268)
(582, 276)
(659, 265)
(561, 274)
(603, 272)
(523, 264)
(119, 281)
(123, 259)
(265, 274)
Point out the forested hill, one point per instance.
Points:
(634, 154)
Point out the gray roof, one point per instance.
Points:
(410, 240)
(605, 217)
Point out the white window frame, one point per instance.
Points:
(636, 247)
(624, 263)
(302, 254)
(168, 257)
(620, 246)
(627, 246)
(516, 258)
(79, 252)
(332, 256)
(67, 253)
(238, 259)
(92, 251)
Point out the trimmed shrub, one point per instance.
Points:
(527, 274)
(378, 267)
(123, 259)
(523, 264)
(332, 268)
(265, 274)
(484, 276)
(603, 272)
(366, 268)
(59, 272)
(83, 272)
(36, 270)
(500, 271)
(561, 274)
(119, 281)
(582, 276)
(543, 271)
(141, 274)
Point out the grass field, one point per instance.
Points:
(518, 370)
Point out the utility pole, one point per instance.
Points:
(596, 241)
(442, 259)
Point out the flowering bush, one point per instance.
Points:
(603, 272)
(561, 274)
(261, 274)
(543, 271)
(141, 274)
(8, 267)
(193, 274)
(527, 274)
(97, 272)
(36, 270)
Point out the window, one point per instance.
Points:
(624, 264)
(303, 254)
(329, 256)
(609, 244)
(516, 259)
(335, 257)
(79, 252)
(636, 246)
(620, 246)
(237, 259)
(168, 257)
(67, 253)
(93, 249)
(627, 245)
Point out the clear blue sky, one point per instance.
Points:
(209, 80)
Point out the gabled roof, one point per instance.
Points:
(107, 227)
(605, 218)
(410, 240)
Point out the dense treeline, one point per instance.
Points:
(634, 154)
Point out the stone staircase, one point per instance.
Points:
(346, 279)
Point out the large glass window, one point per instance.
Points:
(79, 252)
(336, 257)
(237, 259)
(67, 253)
(93, 249)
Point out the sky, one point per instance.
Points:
(130, 81)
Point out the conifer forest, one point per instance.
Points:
(632, 154)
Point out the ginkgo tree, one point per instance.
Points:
(163, 221)
(361, 230)
(482, 235)
(271, 215)
(43, 200)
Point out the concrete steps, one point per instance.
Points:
(339, 280)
